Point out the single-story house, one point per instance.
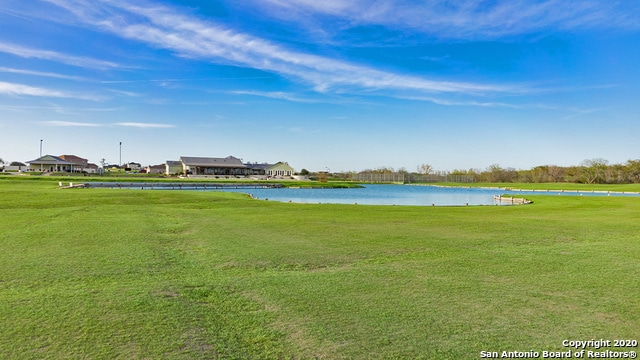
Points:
(50, 163)
(213, 166)
(83, 164)
(132, 166)
(62, 163)
(258, 169)
(173, 167)
(155, 169)
(280, 168)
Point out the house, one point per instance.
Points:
(213, 166)
(280, 168)
(132, 166)
(155, 169)
(257, 169)
(83, 165)
(91, 168)
(50, 163)
(62, 163)
(81, 162)
(173, 167)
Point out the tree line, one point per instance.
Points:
(592, 171)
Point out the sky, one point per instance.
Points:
(323, 85)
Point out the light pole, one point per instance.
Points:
(120, 161)
(40, 147)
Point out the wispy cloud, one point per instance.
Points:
(122, 124)
(78, 61)
(465, 19)
(40, 73)
(189, 36)
(70, 124)
(182, 80)
(26, 90)
(144, 125)
(274, 95)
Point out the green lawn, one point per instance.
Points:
(104, 274)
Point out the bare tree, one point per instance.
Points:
(425, 169)
(593, 170)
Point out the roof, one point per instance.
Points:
(229, 161)
(263, 166)
(280, 165)
(50, 160)
(174, 163)
(74, 159)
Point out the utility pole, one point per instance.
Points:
(120, 163)
(40, 147)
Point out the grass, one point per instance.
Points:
(104, 274)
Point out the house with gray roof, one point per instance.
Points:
(229, 166)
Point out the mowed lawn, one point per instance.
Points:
(130, 274)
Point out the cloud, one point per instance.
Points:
(463, 19)
(70, 124)
(191, 37)
(144, 125)
(40, 73)
(123, 124)
(274, 95)
(20, 89)
(78, 61)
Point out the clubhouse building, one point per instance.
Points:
(228, 166)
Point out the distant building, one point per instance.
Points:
(258, 169)
(155, 169)
(62, 163)
(83, 165)
(213, 166)
(173, 167)
(280, 168)
(132, 166)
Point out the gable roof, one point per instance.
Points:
(74, 159)
(229, 161)
(49, 160)
(280, 165)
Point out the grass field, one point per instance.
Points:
(122, 274)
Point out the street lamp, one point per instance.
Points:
(120, 161)
(40, 147)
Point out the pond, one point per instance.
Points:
(417, 195)
(370, 194)
(381, 195)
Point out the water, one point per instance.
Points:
(381, 195)
(378, 194)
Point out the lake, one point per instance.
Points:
(370, 194)
(381, 195)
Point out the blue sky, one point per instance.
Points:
(338, 85)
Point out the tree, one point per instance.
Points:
(632, 170)
(304, 172)
(425, 169)
(593, 170)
